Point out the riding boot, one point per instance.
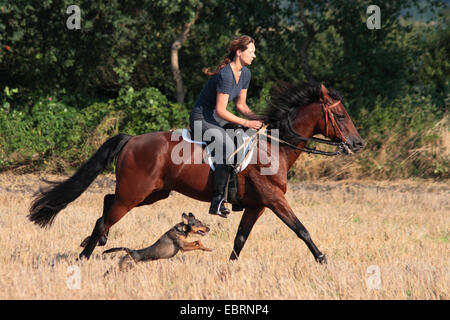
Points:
(221, 175)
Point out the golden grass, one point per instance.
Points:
(400, 155)
(399, 227)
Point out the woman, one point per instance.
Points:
(229, 81)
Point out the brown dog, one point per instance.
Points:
(168, 245)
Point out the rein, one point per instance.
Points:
(328, 117)
(340, 145)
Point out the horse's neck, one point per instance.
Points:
(291, 155)
(304, 126)
(286, 156)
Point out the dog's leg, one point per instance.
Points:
(194, 245)
(202, 247)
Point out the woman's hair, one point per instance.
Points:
(239, 43)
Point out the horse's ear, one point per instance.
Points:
(191, 215)
(324, 91)
(184, 218)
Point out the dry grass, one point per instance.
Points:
(400, 227)
(401, 154)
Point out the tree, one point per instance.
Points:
(176, 46)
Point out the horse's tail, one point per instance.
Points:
(49, 202)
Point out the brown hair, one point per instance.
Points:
(238, 43)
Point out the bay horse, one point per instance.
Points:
(145, 173)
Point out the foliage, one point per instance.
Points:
(52, 131)
(405, 137)
(63, 92)
(149, 110)
(48, 128)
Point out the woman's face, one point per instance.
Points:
(248, 55)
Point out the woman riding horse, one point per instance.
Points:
(146, 172)
(229, 81)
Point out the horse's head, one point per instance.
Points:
(305, 109)
(336, 124)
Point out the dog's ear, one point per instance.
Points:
(191, 215)
(184, 218)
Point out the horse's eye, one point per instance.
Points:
(340, 116)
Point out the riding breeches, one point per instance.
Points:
(219, 142)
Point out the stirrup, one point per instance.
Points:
(219, 209)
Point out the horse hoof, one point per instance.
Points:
(101, 242)
(321, 259)
(82, 257)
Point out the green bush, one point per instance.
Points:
(49, 133)
(49, 128)
(149, 110)
(404, 137)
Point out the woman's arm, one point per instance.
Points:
(221, 109)
(242, 107)
(222, 112)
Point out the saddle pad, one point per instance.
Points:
(242, 162)
(186, 134)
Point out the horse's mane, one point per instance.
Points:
(285, 100)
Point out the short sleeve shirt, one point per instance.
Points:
(224, 82)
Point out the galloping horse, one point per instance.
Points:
(145, 173)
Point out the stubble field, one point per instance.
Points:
(383, 240)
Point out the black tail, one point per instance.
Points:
(118, 249)
(51, 201)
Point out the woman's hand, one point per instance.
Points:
(253, 124)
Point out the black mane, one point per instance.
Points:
(285, 99)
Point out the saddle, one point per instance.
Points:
(241, 160)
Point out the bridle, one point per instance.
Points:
(328, 116)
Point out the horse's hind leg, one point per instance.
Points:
(155, 196)
(114, 214)
(108, 200)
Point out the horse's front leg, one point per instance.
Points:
(281, 208)
(248, 219)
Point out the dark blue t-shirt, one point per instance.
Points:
(224, 82)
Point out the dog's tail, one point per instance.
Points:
(127, 250)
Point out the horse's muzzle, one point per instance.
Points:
(351, 146)
(355, 145)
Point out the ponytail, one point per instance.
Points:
(239, 43)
